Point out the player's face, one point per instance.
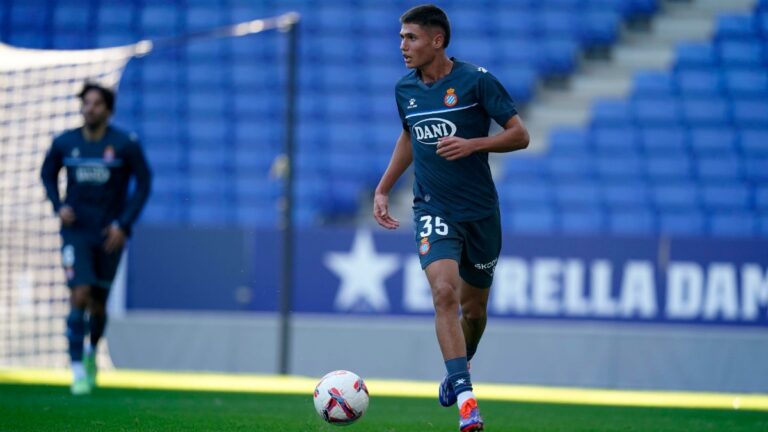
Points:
(94, 109)
(416, 45)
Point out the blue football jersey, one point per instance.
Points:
(98, 178)
(460, 104)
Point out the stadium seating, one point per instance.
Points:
(210, 113)
(685, 154)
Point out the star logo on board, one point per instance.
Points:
(362, 272)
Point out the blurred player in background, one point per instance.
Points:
(96, 218)
(446, 107)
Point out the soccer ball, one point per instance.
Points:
(341, 397)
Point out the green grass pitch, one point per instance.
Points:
(39, 407)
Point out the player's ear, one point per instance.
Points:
(438, 41)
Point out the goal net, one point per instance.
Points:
(38, 101)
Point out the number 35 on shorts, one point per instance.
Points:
(439, 226)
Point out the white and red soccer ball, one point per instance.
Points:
(341, 397)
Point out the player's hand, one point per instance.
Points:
(67, 215)
(115, 238)
(381, 212)
(452, 148)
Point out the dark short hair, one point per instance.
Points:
(107, 94)
(428, 15)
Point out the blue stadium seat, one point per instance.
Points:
(612, 168)
(203, 74)
(207, 53)
(26, 18)
(559, 57)
(668, 167)
(72, 17)
(571, 166)
(675, 196)
(742, 54)
(587, 220)
(208, 158)
(207, 132)
(631, 222)
(159, 20)
(657, 141)
(577, 194)
(527, 193)
(733, 224)
(754, 169)
(564, 140)
(726, 196)
(520, 82)
(653, 83)
(682, 223)
(754, 142)
(72, 41)
(599, 28)
(513, 22)
(117, 17)
(607, 112)
(625, 194)
(164, 159)
(732, 26)
(207, 102)
(105, 40)
(529, 220)
(377, 20)
(615, 140)
(709, 111)
(522, 52)
(750, 113)
(707, 140)
(524, 167)
(761, 199)
(657, 111)
(559, 24)
(747, 83)
(205, 17)
(699, 82)
(719, 168)
(689, 55)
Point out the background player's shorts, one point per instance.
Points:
(85, 261)
(474, 245)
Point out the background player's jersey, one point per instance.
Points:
(98, 176)
(460, 104)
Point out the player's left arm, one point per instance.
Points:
(117, 233)
(513, 137)
(495, 100)
(143, 175)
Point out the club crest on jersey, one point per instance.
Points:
(424, 246)
(428, 131)
(109, 154)
(411, 104)
(450, 99)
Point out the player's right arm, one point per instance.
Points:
(49, 174)
(401, 159)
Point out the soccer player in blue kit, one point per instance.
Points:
(96, 218)
(446, 106)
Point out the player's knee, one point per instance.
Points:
(474, 309)
(444, 296)
(79, 296)
(97, 308)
